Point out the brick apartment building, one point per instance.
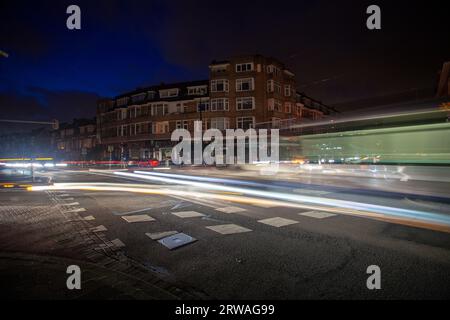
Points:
(242, 92)
(75, 141)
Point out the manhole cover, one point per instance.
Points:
(176, 241)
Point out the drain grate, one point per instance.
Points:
(176, 241)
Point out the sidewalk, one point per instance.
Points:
(25, 276)
(39, 239)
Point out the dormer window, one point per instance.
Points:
(197, 91)
(151, 95)
(138, 97)
(168, 93)
(244, 67)
(122, 101)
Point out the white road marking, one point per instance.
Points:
(71, 204)
(188, 214)
(89, 218)
(118, 243)
(231, 209)
(160, 235)
(278, 222)
(228, 229)
(77, 210)
(317, 214)
(69, 199)
(202, 203)
(100, 228)
(138, 218)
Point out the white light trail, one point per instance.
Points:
(391, 211)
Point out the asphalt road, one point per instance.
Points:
(316, 255)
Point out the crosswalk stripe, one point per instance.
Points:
(231, 209)
(317, 214)
(228, 229)
(138, 218)
(188, 214)
(77, 210)
(72, 204)
(278, 222)
(99, 228)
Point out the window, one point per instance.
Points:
(159, 109)
(122, 101)
(245, 103)
(168, 93)
(132, 129)
(182, 124)
(275, 105)
(196, 91)
(219, 104)
(271, 69)
(288, 107)
(276, 122)
(220, 85)
(180, 108)
(205, 123)
(220, 123)
(143, 127)
(151, 95)
(160, 127)
(245, 122)
(287, 90)
(121, 114)
(273, 86)
(122, 131)
(138, 97)
(220, 68)
(244, 84)
(244, 67)
(202, 106)
(134, 112)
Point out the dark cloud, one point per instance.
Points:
(326, 43)
(40, 104)
(124, 44)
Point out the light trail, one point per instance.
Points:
(390, 211)
(159, 190)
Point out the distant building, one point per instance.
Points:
(75, 141)
(242, 92)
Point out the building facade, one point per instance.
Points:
(242, 92)
(76, 141)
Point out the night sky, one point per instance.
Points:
(53, 72)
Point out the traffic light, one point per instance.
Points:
(55, 124)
